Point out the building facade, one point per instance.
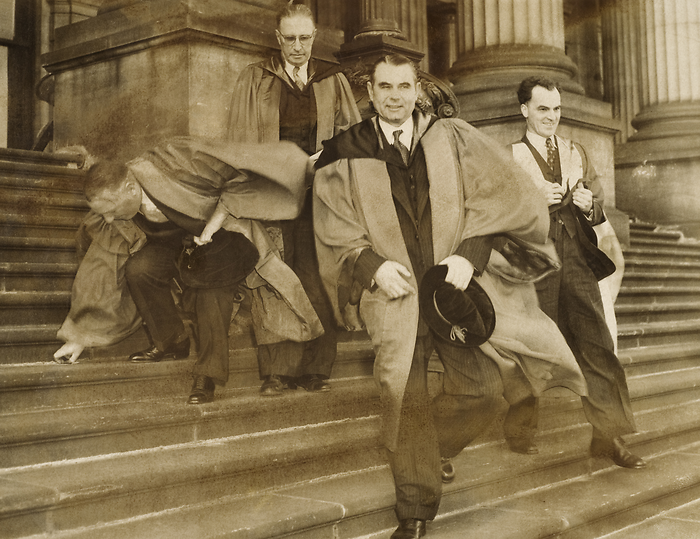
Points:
(114, 75)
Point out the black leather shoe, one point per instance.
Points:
(616, 451)
(313, 383)
(447, 470)
(524, 446)
(274, 385)
(410, 528)
(154, 354)
(202, 390)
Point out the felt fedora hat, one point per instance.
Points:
(462, 318)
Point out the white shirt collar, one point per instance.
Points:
(540, 142)
(303, 71)
(406, 137)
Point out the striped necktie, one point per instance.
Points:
(297, 78)
(400, 146)
(551, 153)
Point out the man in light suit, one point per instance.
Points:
(571, 297)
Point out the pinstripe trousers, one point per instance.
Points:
(472, 391)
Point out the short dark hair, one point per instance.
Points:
(396, 60)
(295, 10)
(526, 86)
(104, 176)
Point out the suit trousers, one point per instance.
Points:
(314, 357)
(571, 297)
(470, 401)
(149, 275)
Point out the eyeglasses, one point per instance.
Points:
(291, 40)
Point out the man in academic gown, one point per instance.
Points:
(395, 195)
(141, 212)
(296, 98)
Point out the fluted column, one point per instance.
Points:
(378, 17)
(658, 166)
(620, 64)
(502, 42)
(377, 34)
(412, 17)
(669, 69)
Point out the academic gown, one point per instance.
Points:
(475, 190)
(252, 181)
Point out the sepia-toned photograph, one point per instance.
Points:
(350, 269)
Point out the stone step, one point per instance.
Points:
(660, 358)
(89, 430)
(110, 379)
(662, 311)
(652, 247)
(38, 249)
(37, 276)
(34, 200)
(360, 503)
(46, 308)
(648, 334)
(633, 276)
(655, 293)
(663, 256)
(81, 492)
(12, 159)
(639, 264)
(655, 232)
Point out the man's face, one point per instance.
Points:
(120, 204)
(543, 111)
(394, 91)
(296, 38)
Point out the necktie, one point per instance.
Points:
(551, 153)
(400, 147)
(297, 78)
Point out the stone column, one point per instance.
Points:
(378, 33)
(500, 43)
(659, 165)
(412, 16)
(620, 45)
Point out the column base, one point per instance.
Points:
(502, 66)
(656, 180)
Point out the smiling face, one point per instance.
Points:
(119, 204)
(543, 111)
(296, 38)
(394, 91)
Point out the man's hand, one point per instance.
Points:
(390, 278)
(459, 271)
(553, 193)
(583, 199)
(213, 225)
(70, 351)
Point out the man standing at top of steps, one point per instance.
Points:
(394, 196)
(185, 191)
(292, 96)
(564, 175)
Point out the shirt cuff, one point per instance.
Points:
(477, 250)
(366, 266)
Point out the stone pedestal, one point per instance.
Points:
(157, 68)
(659, 165)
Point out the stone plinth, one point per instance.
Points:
(157, 68)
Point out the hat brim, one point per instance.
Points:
(435, 277)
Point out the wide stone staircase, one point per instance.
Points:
(109, 449)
